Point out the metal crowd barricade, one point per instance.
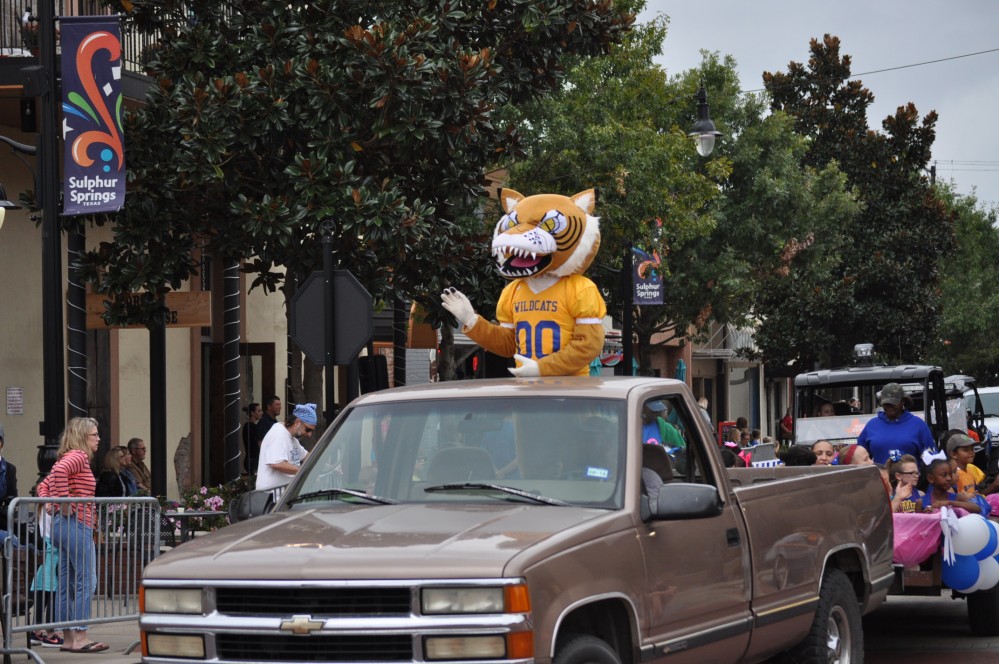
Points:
(126, 538)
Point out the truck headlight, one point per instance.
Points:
(171, 600)
(175, 645)
(463, 600)
(475, 599)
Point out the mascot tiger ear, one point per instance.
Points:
(509, 198)
(585, 200)
(550, 316)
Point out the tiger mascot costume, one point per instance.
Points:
(550, 317)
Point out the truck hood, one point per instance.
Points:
(390, 541)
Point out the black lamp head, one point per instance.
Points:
(704, 129)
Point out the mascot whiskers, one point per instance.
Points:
(550, 316)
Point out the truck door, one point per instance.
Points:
(697, 571)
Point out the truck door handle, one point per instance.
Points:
(732, 536)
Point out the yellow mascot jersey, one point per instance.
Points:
(544, 323)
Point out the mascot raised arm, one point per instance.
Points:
(550, 317)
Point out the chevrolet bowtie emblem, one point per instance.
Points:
(302, 625)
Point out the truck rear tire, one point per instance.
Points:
(837, 633)
(983, 612)
(586, 650)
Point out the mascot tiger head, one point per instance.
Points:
(546, 234)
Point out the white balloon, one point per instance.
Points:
(988, 575)
(972, 535)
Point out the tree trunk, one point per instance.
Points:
(231, 387)
(76, 322)
(293, 384)
(313, 385)
(400, 325)
(445, 363)
(644, 348)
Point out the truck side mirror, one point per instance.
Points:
(680, 500)
(251, 504)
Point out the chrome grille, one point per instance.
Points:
(314, 648)
(317, 602)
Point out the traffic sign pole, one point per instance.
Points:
(328, 326)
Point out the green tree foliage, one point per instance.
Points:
(969, 300)
(730, 225)
(267, 118)
(885, 289)
(781, 230)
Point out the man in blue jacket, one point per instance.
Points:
(895, 428)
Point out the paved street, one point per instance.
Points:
(921, 630)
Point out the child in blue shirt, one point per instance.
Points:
(941, 493)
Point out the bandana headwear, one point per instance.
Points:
(895, 455)
(306, 412)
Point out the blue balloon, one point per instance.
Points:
(989, 550)
(962, 575)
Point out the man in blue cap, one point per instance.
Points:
(281, 453)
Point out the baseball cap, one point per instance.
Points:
(959, 440)
(655, 406)
(892, 393)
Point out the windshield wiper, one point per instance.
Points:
(338, 493)
(479, 486)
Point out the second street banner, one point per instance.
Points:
(646, 272)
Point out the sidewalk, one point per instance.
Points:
(118, 635)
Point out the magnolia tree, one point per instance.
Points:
(266, 119)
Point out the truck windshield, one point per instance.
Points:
(990, 402)
(567, 450)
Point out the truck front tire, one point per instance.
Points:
(837, 633)
(983, 612)
(586, 650)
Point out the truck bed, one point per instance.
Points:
(782, 559)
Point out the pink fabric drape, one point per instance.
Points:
(917, 537)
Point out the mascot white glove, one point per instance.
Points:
(455, 301)
(528, 368)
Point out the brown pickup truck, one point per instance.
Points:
(528, 520)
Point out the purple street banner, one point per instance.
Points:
(94, 151)
(647, 275)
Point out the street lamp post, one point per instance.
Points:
(52, 320)
(704, 133)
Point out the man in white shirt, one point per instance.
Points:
(281, 453)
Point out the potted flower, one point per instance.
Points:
(214, 499)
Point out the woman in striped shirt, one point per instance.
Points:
(73, 530)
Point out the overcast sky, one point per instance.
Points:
(877, 34)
